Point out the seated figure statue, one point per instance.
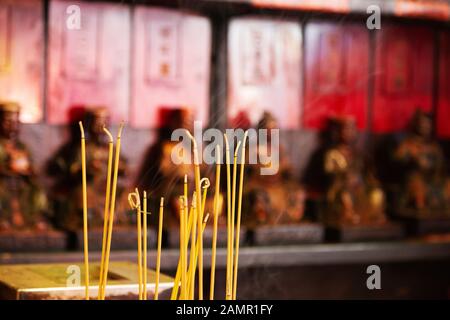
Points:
(65, 170)
(352, 193)
(158, 175)
(276, 198)
(422, 189)
(23, 204)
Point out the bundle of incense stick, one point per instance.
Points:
(142, 240)
(110, 200)
(192, 224)
(193, 221)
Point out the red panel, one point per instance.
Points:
(431, 9)
(321, 5)
(89, 65)
(22, 56)
(404, 75)
(336, 69)
(264, 70)
(443, 111)
(171, 64)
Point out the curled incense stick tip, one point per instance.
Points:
(161, 202)
(119, 133)
(205, 220)
(244, 140)
(81, 129)
(133, 200)
(109, 134)
(206, 183)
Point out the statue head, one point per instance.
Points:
(342, 129)
(95, 118)
(171, 118)
(421, 124)
(9, 120)
(268, 122)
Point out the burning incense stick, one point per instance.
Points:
(85, 217)
(192, 223)
(233, 209)
(102, 282)
(197, 250)
(135, 203)
(238, 222)
(183, 248)
(228, 292)
(199, 211)
(158, 255)
(144, 262)
(216, 215)
(191, 281)
(112, 209)
(200, 238)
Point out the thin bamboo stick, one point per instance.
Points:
(228, 291)
(112, 207)
(144, 250)
(199, 210)
(158, 255)
(216, 216)
(101, 285)
(174, 294)
(85, 214)
(238, 222)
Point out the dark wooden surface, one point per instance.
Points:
(409, 269)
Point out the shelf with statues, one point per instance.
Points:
(274, 201)
(348, 197)
(419, 185)
(24, 211)
(62, 281)
(275, 215)
(64, 170)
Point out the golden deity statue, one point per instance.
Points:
(352, 193)
(23, 204)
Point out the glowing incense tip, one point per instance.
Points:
(237, 149)
(111, 140)
(81, 129)
(85, 209)
(119, 133)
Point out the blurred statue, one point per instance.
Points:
(352, 193)
(23, 204)
(65, 169)
(423, 188)
(158, 175)
(271, 199)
